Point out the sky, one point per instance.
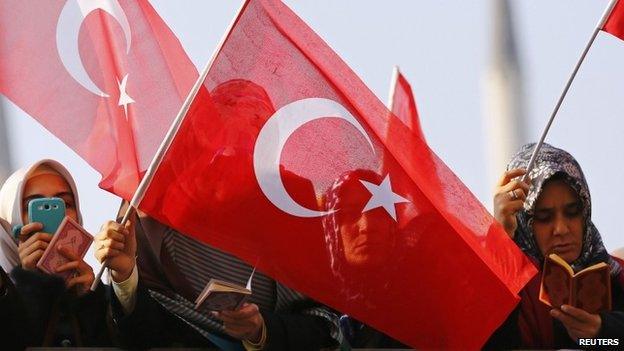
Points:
(443, 49)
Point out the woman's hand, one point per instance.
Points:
(32, 244)
(84, 276)
(509, 197)
(117, 246)
(577, 322)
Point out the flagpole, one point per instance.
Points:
(539, 144)
(393, 82)
(171, 133)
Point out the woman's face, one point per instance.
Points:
(48, 185)
(558, 222)
(367, 237)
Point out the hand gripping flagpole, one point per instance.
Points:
(168, 140)
(538, 146)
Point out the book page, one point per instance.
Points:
(593, 291)
(556, 285)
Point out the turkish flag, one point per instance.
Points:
(106, 77)
(615, 23)
(281, 162)
(403, 104)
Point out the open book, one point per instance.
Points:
(589, 289)
(219, 295)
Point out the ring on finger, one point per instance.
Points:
(512, 194)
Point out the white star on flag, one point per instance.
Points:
(383, 196)
(124, 98)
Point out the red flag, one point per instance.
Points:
(107, 78)
(402, 103)
(283, 166)
(615, 23)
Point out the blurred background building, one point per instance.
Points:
(505, 120)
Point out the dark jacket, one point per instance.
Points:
(57, 316)
(360, 335)
(151, 325)
(14, 325)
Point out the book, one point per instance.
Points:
(219, 295)
(589, 289)
(69, 234)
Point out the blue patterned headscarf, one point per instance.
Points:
(552, 161)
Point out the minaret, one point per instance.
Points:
(504, 98)
(5, 160)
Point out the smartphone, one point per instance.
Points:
(48, 211)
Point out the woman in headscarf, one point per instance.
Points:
(359, 243)
(362, 247)
(552, 214)
(60, 313)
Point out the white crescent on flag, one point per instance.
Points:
(272, 138)
(68, 29)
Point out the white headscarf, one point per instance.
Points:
(7, 246)
(11, 195)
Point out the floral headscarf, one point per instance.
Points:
(552, 161)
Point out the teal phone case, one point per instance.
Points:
(48, 211)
